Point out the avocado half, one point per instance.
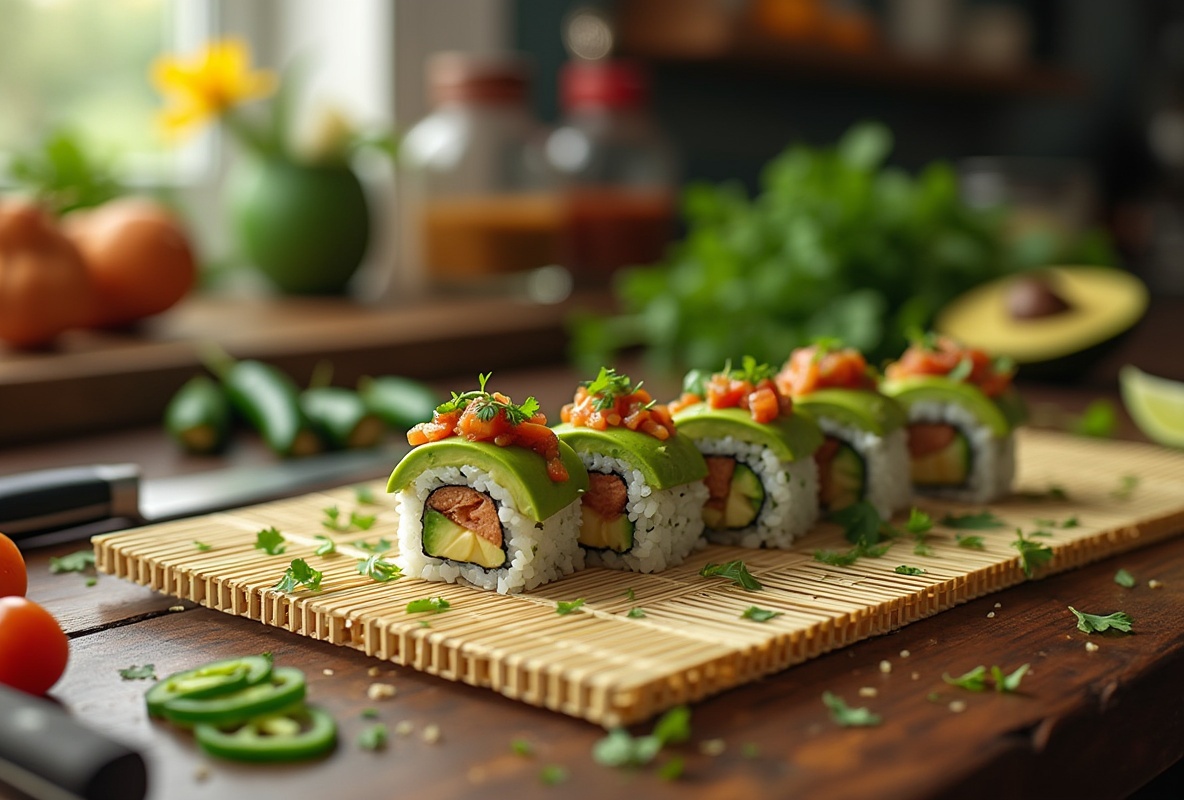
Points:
(1053, 323)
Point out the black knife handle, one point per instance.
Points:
(44, 753)
(48, 499)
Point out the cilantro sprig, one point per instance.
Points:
(488, 406)
(735, 571)
(270, 541)
(984, 520)
(1096, 623)
(849, 717)
(430, 605)
(750, 370)
(298, 574)
(1032, 554)
(378, 569)
(621, 749)
(979, 679)
(607, 386)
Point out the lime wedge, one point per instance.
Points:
(1155, 404)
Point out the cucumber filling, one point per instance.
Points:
(604, 525)
(842, 475)
(735, 494)
(941, 455)
(461, 524)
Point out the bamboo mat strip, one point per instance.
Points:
(604, 666)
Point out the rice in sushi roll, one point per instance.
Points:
(643, 508)
(762, 481)
(865, 454)
(962, 413)
(488, 496)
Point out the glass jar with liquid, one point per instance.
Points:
(477, 198)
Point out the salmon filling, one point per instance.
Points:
(461, 524)
(604, 524)
(469, 509)
(940, 455)
(735, 494)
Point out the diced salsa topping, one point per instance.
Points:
(612, 401)
(481, 416)
(942, 356)
(751, 387)
(825, 365)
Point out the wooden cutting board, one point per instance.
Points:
(605, 666)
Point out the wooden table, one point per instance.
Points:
(1086, 724)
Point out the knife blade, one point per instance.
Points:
(69, 498)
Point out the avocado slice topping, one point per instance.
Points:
(520, 470)
(855, 408)
(790, 438)
(940, 389)
(663, 464)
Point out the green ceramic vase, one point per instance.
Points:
(304, 226)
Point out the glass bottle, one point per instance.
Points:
(618, 170)
(477, 199)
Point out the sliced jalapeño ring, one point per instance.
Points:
(283, 688)
(217, 677)
(294, 734)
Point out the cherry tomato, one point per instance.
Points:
(13, 578)
(33, 647)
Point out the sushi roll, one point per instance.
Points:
(643, 508)
(962, 413)
(762, 482)
(488, 496)
(865, 453)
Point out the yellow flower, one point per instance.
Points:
(209, 85)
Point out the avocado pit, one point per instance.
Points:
(1033, 297)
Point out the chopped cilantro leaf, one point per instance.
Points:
(1100, 419)
(636, 613)
(861, 523)
(377, 568)
(270, 541)
(984, 520)
(905, 569)
(141, 673)
(735, 571)
(674, 726)
(970, 542)
(298, 574)
(922, 549)
(553, 775)
(1032, 554)
(362, 522)
(1126, 487)
(919, 522)
(433, 605)
(973, 681)
(326, 547)
(202, 547)
(1008, 684)
(672, 770)
(619, 748)
(564, 607)
(381, 546)
(78, 561)
(521, 747)
(1094, 623)
(364, 495)
(373, 737)
(629, 595)
(1124, 579)
(846, 716)
(759, 614)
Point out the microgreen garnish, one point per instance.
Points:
(298, 574)
(1095, 623)
(1032, 554)
(1126, 487)
(636, 612)
(984, 520)
(735, 571)
(373, 737)
(750, 370)
(377, 568)
(846, 716)
(78, 561)
(433, 605)
(905, 569)
(1124, 579)
(141, 673)
(564, 607)
(759, 614)
(326, 547)
(607, 387)
(488, 406)
(270, 541)
(202, 547)
(969, 542)
(619, 748)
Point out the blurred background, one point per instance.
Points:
(694, 178)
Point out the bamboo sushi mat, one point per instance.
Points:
(604, 666)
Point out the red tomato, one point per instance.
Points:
(33, 647)
(13, 578)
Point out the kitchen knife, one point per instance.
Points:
(46, 754)
(35, 503)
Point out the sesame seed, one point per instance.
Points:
(957, 706)
(713, 747)
(990, 615)
(998, 605)
(1090, 647)
(1154, 584)
(404, 727)
(176, 608)
(431, 734)
(916, 676)
(328, 673)
(905, 654)
(868, 691)
(202, 773)
(885, 666)
(373, 672)
(380, 691)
